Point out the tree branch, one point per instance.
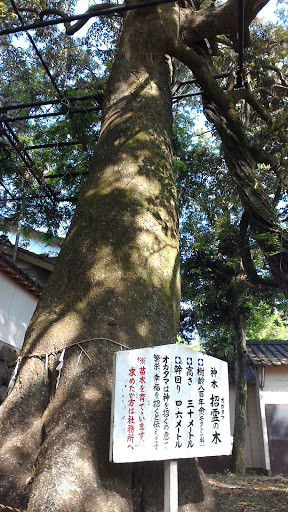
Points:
(258, 107)
(269, 234)
(72, 29)
(246, 257)
(216, 21)
(283, 90)
(225, 41)
(278, 72)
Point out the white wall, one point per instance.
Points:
(254, 454)
(254, 450)
(16, 309)
(273, 384)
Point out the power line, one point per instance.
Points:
(53, 145)
(101, 12)
(7, 190)
(21, 106)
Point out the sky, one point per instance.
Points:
(267, 13)
(83, 5)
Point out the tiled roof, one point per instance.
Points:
(267, 352)
(12, 271)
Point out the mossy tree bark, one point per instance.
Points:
(116, 282)
(238, 453)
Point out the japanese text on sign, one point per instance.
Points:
(169, 402)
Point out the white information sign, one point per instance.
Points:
(169, 402)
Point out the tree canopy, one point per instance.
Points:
(254, 114)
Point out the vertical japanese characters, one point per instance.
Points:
(201, 399)
(166, 398)
(156, 401)
(217, 408)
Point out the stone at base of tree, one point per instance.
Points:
(3, 393)
(8, 359)
(8, 355)
(3, 372)
(10, 371)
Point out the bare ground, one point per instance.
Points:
(250, 493)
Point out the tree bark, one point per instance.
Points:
(238, 452)
(116, 279)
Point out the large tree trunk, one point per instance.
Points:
(116, 282)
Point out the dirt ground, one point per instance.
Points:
(251, 493)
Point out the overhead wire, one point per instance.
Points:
(20, 106)
(25, 157)
(7, 190)
(51, 114)
(101, 12)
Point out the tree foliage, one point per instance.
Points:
(51, 176)
(213, 275)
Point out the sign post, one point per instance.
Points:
(170, 486)
(169, 402)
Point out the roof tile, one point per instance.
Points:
(267, 352)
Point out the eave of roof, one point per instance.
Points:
(11, 270)
(267, 352)
(39, 260)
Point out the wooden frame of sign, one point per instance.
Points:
(169, 402)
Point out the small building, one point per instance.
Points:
(266, 437)
(22, 275)
(21, 281)
(267, 407)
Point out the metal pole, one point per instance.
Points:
(170, 486)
